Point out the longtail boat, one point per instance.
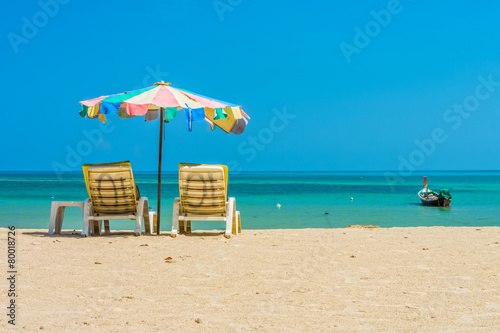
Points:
(431, 198)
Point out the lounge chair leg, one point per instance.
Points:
(85, 229)
(140, 215)
(148, 223)
(137, 231)
(106, 227)
(97, 228)
(175, 218)
(185, 226)
(229, 217)
(182, 229)
(236, 223)
(86, 209)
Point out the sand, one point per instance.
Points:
(347, 280)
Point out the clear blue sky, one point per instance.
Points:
(362, 80)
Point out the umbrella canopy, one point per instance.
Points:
(229, 117)
(166, 100)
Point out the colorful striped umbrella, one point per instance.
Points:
(168, 101)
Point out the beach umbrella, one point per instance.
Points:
(164, 101)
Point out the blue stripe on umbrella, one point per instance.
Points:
(109, 108)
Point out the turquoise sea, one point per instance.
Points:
(25, 199)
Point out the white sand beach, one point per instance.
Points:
(347, 280)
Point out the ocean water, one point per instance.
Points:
(25, 199)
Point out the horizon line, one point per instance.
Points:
(287, 171)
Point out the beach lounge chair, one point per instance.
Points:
(203, 197)
(113, 195)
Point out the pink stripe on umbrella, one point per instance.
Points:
(137, 109)
(94, 101)
(164, 98)
(244, 114)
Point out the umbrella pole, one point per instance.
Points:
(159, 173)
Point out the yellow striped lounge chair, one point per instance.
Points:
(203, 197)
(113, 195)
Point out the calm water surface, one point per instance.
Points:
(25, 199)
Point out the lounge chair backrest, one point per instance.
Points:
(112, 189)
(203, 190)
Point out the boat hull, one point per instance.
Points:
(446, 202)
(428, 200)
